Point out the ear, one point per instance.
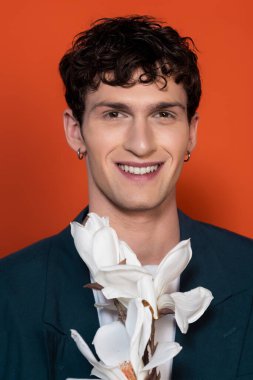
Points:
(73, 131)
(193, 128)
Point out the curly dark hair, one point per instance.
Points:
(119, 46)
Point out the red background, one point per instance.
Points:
(43, 185)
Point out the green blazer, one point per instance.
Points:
(42, 298)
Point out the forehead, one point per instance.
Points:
(139, 95)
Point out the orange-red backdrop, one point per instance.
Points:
(43, 185)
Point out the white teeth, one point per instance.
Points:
(139, 170)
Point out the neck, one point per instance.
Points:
(149, 233)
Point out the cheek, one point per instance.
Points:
(100, 144)
(174, 141)
(99, 136)
(94, 159)
(94, 143)
(98, 150)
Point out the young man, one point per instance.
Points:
(133, 88)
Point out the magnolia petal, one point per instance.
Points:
(128, 254)
(83, 244)
(146, 330)
(165, 301)
(134, 323)
(190, 306)
(121, 281)
(138, 326)
(105, 249)
(108, 373)
(95, 222)
(134, 318)
(101, 370)
(164, 329)
(164, 352)
(83, 237)
(109, 305)
(146, 292)
(172, 266)
(83, 347)
(112, 344)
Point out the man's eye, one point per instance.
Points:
(113, 115)
(165, 115)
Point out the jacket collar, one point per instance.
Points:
(205, 268)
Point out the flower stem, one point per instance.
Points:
(149, 351)
(121, 309)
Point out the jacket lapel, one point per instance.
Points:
(68, 305)
(212, 345)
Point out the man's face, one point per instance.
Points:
(136, 140)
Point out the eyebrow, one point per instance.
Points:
(165, 105)
(126, 107)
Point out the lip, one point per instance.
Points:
(137, 177)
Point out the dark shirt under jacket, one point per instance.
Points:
(42, 298)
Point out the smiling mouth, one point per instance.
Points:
(139, 170)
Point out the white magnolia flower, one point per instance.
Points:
(188, 307)
(125, 282)
(121, 347)
(117, 269)
(98, 244)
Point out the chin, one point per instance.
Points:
(138, 206)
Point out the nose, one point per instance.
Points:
(140, 139)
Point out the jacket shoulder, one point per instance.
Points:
(234, 252)
(34, 253)
(224, 238)
(23, 277)
(25, 255)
